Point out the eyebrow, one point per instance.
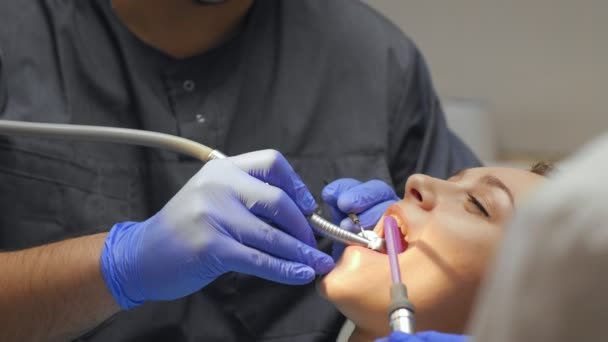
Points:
(491, 181)
(497, 183)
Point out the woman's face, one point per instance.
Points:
(451, 230)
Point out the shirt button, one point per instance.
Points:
(200, 118)
(188, 85)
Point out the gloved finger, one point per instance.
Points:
(348, 224)
(247, 260)
(337, 249)
(399, 336)
(367, 219)
(274, 205)
(332, 191)
(365, 196)
(265, 238)
(434, 336)
(371, 216)
(271, 167)
(383, 339)
(335, 214)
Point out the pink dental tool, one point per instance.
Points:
(401, 310)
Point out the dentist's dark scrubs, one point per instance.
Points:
(334, 86)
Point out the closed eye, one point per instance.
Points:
(479, 206)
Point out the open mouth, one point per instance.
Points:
(397, 213)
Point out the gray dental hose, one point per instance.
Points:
(162, 141)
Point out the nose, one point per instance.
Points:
(422, 189)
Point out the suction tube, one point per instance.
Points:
(162, 141)
(401, 311)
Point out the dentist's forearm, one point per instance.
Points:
(54, 292)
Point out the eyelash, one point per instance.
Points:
(479, 206)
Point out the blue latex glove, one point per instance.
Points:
(218, 223)
(368, 200)
(427, 336)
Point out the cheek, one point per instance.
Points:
(465, 243)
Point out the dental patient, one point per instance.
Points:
(451, 229)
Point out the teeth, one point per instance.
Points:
(398, 219)
(402, 227)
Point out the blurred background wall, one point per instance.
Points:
(519, 79)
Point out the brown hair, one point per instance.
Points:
(542, 168)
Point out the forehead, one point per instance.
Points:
(520, 182)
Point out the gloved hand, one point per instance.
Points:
(427, 336)
(218, 223)
(368, 200)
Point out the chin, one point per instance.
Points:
(350, 278)
(359, 288)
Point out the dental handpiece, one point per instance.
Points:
(332, 231)
(400, 311)
(172, 143)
